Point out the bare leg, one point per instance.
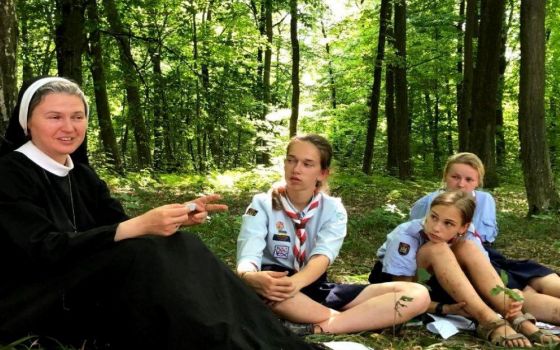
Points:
(484, 277)
(549, 285)
(481, 274)
(544, 307)
(439, 259)
(373, 308)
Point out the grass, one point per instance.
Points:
(375, 205)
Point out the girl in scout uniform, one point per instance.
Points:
(442, 244)
(540, 285)
(289, 237)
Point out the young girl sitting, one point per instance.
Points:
(540, 285)
(291, 235)
(441, 244)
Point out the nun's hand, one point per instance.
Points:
(200, 208)
(160, 221)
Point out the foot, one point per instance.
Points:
(498, 332)
(525, 324)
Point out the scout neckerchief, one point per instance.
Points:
(300, 219)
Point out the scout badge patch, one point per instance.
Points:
(404, 248)
(251, 212)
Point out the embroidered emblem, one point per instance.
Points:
(281, 237)
(251, 211)
(281, 251)
(404, 248)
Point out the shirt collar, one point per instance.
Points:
(44, 161)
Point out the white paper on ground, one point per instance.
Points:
(346, 345)
(550, 327)
(449, 325)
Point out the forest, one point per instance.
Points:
(189, 96)
(397, 86)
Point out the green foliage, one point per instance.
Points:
(502, 289)
(423, 276)
(19, 344)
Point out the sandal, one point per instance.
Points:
(536, 337)
(485, 331)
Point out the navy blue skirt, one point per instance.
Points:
(332, 295)
(519, 272)
(437, 293)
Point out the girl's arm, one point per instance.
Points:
(251, 241)
(315, 267)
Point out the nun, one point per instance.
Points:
(74, 267)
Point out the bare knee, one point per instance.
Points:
(417, 294)
(431, 253)
(466, 250)
(549, 284)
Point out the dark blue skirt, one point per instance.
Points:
(332, 295)
(519, 272)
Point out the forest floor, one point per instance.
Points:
(375, 206)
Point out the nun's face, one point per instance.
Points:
(58, 124)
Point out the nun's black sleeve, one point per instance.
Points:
(36, 219)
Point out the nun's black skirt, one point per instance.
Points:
(145, 293)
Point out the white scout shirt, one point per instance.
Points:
(398, 253)
(267, 235)
(484, 219)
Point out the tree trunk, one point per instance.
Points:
(433, 124)
(384, 17)
(401, 94)
(460, 43)
(267, 55)
(449, 126)
(539, 181)
(106, 131)
(164, 159)
(332, 85)
(392, 138)
(464, 119)
(260, 20)
(295, 67)
(27, 69)
(132, 86)
(263, 18)
(200, 152)
(554, 132)
(8, 62)
(500, 134)
(485, 88)
(70, 38)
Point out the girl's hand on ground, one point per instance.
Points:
(271, 285)
(456, 309)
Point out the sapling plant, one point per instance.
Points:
(422, 275)
(504, 289)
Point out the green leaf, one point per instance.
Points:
(422, 276)
(504, 277)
